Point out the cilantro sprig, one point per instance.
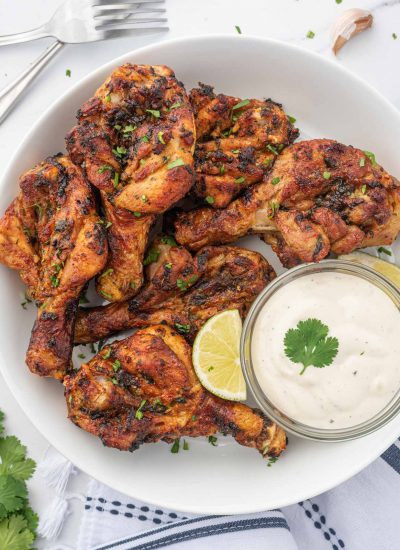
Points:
(309, 344)
(18, 522)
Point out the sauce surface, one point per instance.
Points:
(365, 374)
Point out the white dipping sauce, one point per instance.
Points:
(365, 374)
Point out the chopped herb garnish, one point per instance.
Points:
(139, 414)
(362, 162)
(292, 120)
(107, 354)
(272, 459)
(168, 265)
(310, 34)
(119, 151)
(272, 149)
(116, 365)
(185, 445)
(160, 137)
(384, 250)
(108, 224)
(274, 208)
(183, 329)
(175, 446)
(153, 112)
(194, 418)
(371, 157)
(142, 162)
(152, 256)
(55, 281)
(238, 29)
(175, 163)
(213, 440)
(81, 356)
(38, 210)
(26, 301)
(210, 369)
(167, 239)
(241, 104)
(267, 161)
(183, 285)
(116, 179)
(144, 198)
(326, 175)
(236, 151)
(108, 98)
(132, 284)
(394, 36)
(222, 169)
(175, 105)
(146, 139)
(114, 381)
(68, 72)
(210, 199)
(128, 129)
(363, 189)
(137, 214)
(104, 168)
(106, 272)
(92, 348)
(275, 181)
(117, 126)
(240, 180)
(107, 296)
(338, 1)
(309, 344)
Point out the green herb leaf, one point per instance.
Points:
(185, 445)
(175, 446)
(272, 459)
(160, 137)
(209, 199)
(213, 440)
(292, 120)
(152, 256)
(128, 129)
(139, 413)
(167, 239)
(275, 181)
(108, 98)
(274, 208)
(363, 189)
(137, 214)
(240, 180)
(168, 265)
(106, 295)
(116, 365)
(116, 179)
(119, 151)
(81, 356)
(241, 104)
(146, 139)
(153, 112)
(68, 72)
(175, 163)
(310, 34)
(106, 272)
(382, 249)
(362, 162)
(183, 329)
(175, 106)
(222, 169)
(394, 36)
(371, 157)
(272, 149)
(309, 344)
(104, 168)
(238, 29)
(15, 533)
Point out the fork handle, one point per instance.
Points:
(16, 38)
(12, 92)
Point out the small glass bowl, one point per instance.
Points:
(290, 424)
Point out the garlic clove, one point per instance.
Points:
(349, 24)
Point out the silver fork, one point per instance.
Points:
(78, 21)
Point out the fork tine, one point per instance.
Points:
(118, 15)
(126, 2)
(128, 24)
(107, 10)
(108, 34)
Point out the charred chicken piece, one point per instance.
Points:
(320, 197)
(230, 278)
(136, 138)
(53, 236)
(128, 235)
(143, 389)
(237, 143)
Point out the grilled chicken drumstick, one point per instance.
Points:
(184, 292)
(143, 389)
(320, 196)
(52, 234)
(237, 142)
(135, 139)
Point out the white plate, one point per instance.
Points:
(327, 101)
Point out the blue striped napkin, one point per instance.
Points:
(361, 514)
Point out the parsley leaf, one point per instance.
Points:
(309, 344)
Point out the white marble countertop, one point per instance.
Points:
(374, 56)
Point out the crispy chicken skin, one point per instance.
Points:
(320, 197)
(143, 389)
(128, 235)
(140, 126)
(216, 279)
(53, 235)
(237, 142)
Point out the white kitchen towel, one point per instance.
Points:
(361, 514)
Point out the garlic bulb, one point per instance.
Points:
(350, 23)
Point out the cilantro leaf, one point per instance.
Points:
(309, 344)
(15, 534)
(13, 493)
(1, 423)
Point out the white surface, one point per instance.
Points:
(373, 56)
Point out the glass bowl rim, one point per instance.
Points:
(289, 424)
